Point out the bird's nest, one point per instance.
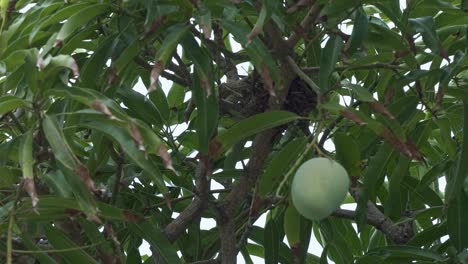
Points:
(248, 96)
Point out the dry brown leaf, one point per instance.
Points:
(380, 108)
(158, 68)
(353, 117)
(101, 107)
(30, 188)
(136, 136)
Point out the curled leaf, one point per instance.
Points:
(137, 137)
(380, 108)
(353, 117)
(83, 173)
(408, 148)
(101, 107)
(167, 161)
(206, 86)
(30, 188)
(158, 67)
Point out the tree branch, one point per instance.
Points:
(260, 149)
(308, 20)
(398, 233)
(174, 229)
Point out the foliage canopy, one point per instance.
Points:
(89, 167)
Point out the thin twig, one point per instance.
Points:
(299, 160)
(358, 67)
(119, 160)
(186, 197)
(54, 250)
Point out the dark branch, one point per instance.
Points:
(306, 23)
(174, 229)
(398, 233)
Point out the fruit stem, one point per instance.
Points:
(312, 144)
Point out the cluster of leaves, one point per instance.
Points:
(89, 167)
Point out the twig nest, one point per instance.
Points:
(248, 97)
(319, 187)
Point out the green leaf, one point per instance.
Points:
(92, 68)
(455, 184)
(434, 173)
(202, 62)
(253, 125)
(426, 26)
(280, 164)
(63, 61)
(246, 255)
(372, 176)
(176, 95)
(207, 111)
(83, 196)
(457, 217)
(26, 160)
(381, 37)
(160, 102)
(141, 107)
(88, 97)
(9, 103)
(73, 253)
(265, 13)
(170, 42)
(80, 18)
(405, 253)
(428, 235)
(305, 234)
(292, 226)
(56, 17)
(347, 153)
(58, 143)
(122, 136)
(63, 206)
(92, 232)
(338, 250)
(127, 56)
(156, 238)
(256, 49)
(445, 137)
(271, 242)
(359, 32)
(39, 255)
(328, 59)
(394, 206)
(362, 94)
(9, 176)
(323, 257)
(457, 214)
